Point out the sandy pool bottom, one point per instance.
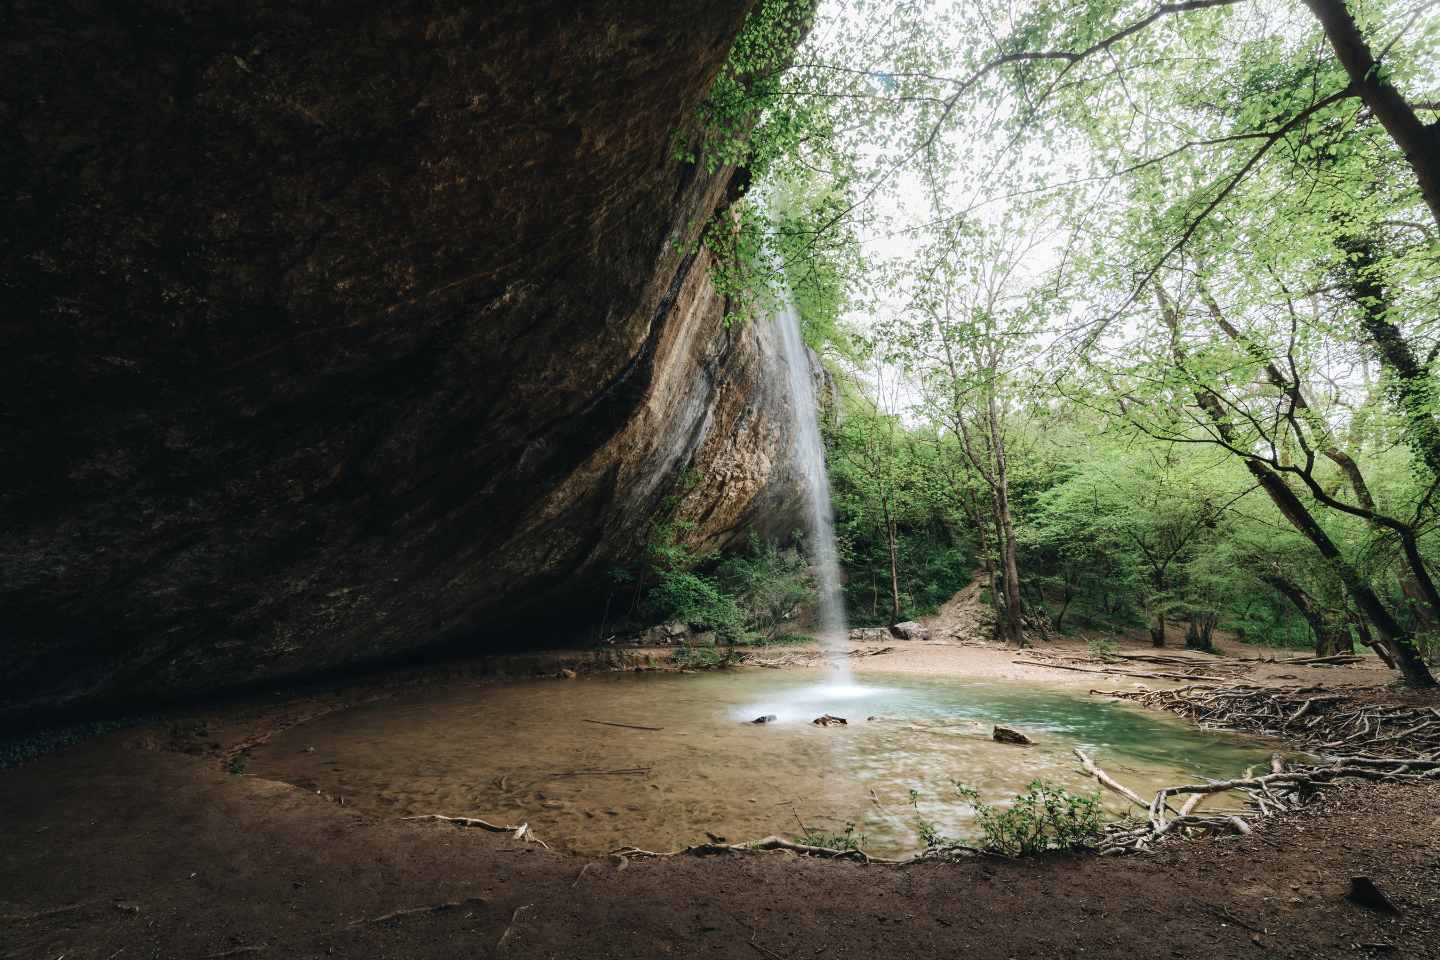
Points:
(534, 752)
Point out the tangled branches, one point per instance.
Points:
(1304, 716)
(1384, 741)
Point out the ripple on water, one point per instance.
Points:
(521, 752)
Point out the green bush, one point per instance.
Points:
(1043, 817)
(746, 599)
(1101, 648)
(767, 587)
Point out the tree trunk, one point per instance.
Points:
(1329, 624)
(1195, 638)
(894, 569)
(1400, 646)
(1013, 604)
(1157, 632)
(1419, 143)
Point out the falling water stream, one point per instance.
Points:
(810, 457)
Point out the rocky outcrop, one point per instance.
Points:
(339, 331)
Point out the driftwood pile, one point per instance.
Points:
(1177, 659)
(1306, 716)
(1279, 791)
(1380, 741)
(1178, 665)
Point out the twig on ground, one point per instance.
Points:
(628, 726)
(508, 930)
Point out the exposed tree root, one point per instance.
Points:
(1303, 715)
(522, 832)
(1286, 787)
(510, 929)
(769, 843)
(416, 911)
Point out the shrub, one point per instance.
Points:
(849, 840)
(767, 587)
(1044, 816)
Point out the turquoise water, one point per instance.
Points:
(526, 752)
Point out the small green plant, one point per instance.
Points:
(848, 840)
(930, 835)
(239, 765)
(650, 660)
(1044, 816)
(1102, 648)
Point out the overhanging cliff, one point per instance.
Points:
(339, 331)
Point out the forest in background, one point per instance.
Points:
(1133, 304)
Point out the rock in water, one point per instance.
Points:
(768, 718)
(1004, 733)
(829, 721)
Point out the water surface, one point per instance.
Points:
(523, 752)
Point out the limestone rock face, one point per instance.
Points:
(334, 332)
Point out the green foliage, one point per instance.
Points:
(767, 587)
(930, 834)
(847, 840)
(1041, 818)
(240, 765)
(743, 600)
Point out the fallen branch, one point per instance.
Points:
(1118, 673)
(769, 843)
(522, 832)
(1106, 780)
(628, 726)
(419, 910)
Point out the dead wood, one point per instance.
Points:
(506, 935)
(1325, 723)
(415, 911)
(522, 832)
(628, 726)
(1329, 719)
(1106, 780)
(769, 843)
(1118, 673)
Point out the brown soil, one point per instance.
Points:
(165, 855)
(114, 845)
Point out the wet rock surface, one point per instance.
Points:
(340, 332)
(1004, 733)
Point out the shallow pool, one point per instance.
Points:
(527, 752)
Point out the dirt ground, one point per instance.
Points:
(140, 843)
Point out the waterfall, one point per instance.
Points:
(810, 456)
